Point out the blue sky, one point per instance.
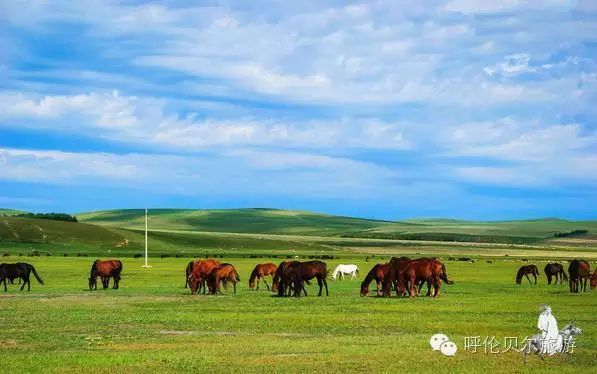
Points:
(464, 108)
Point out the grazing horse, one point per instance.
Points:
(342, 270)
(201, 274)
(105, 270)
(224, 274)
(296, 273)
(188, 271)
(396, 272)
(260, 272)
(19, 270)
(535, 345)
(555, 270)
(424, 270)
(278, 275)
(579, 271)
(525, 271)
(378, 273)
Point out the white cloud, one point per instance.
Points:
(254, 172)
(144, 120)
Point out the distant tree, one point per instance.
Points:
(53, 216)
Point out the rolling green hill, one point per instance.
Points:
(10, 212)
(284, 232)
(263, 221)
(288, 222)
(32, 230)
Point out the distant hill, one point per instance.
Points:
(263, 221)
(290, 222)
(41, 231)
(251, 231)
(10, 212)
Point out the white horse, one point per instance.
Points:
(342, 270)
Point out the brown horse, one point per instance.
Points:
(555, 270)
(200, 274)
(525, 271)
(278, 275)
(594, 280)
(105, 270)
(396, 272)
(296, 273)
(260, 272)
(579, 271)
(378, 273)
(224, 274)
(188, 271)
(424, 270)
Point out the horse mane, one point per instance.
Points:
(254, 273)
(93, 270)
(369, 277)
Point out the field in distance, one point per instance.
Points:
(247, 232)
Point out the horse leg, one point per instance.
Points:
(413, 288)
(549, 278)
(529, 279)
(325, 283)
(535, 275)
(5, 289)
(264, 281)
(438, 285)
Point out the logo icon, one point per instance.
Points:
(441, 342)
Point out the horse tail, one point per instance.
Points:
(36, 275)
(236, 276)
(444, 275)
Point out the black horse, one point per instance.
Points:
(19, 270)
(524, 271)
(555, 270)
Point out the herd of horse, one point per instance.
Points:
(406, 277)
(403, 275)
(579, 273)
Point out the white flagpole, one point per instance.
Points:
(146, 266)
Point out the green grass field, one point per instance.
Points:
(257, 232)
(152, 324)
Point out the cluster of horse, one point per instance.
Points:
(407, 277)
(579, 271)
(288, 278)
(207, 275)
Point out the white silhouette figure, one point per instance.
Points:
(551, 340)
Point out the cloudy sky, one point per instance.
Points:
(465, 108)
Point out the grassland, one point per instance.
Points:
(288, 222)
(152, 324)
(259, 232)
